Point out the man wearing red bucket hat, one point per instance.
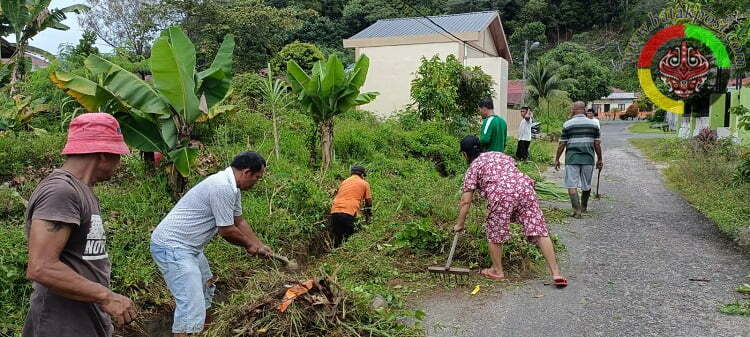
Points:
(68, 262)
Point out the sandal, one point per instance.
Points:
(488, 274)
(560, 282)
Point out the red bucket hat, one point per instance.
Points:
(95, 133)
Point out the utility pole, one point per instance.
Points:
(526, 49)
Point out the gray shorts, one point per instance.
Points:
(578, 176)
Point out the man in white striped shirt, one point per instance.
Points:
(213, 205)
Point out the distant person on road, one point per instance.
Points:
(510, 198)
(524, 134)
(213, 205)
(591, 114)
(347, 202)
(494, 129)
(580, 140)
(68, 262)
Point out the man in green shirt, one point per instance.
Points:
(494, 129)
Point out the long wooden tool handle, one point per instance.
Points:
(598, 179)
(453, 249)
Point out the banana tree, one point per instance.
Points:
(19, 116)
(329, 91)
(27, 18)
(158, 116)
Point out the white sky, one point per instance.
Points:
(51, 39)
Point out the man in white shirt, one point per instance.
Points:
(591, 114)
(524, 134)
(212, 206)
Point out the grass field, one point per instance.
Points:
(643, 127)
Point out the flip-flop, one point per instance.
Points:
(560, 282)
(488, 274)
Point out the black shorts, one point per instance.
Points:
(522, 151)
(342, 227)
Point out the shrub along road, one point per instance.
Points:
(630, 265)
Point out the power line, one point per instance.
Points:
(441, 27)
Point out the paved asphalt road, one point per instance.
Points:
(629, 265)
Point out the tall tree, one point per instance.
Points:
(260, 30)
(129, 24)
(589, 78)
(27, 18)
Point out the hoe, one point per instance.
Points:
(447, 269)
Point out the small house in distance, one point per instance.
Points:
(396, 46)
(615, 104)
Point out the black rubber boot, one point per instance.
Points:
(585, 200)
(576, 204)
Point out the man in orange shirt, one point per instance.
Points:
(346, 204)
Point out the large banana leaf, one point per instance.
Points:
(296, 76)
(90, 95)
(16, 13)
(183, 159)
(359, 74)
(217, 79)
(141, 133)
(173, 71)
(127, 87)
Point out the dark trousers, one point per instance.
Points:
(342, 227)
(522, 151)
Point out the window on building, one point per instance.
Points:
(621, 107)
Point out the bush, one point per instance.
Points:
(658, 116)
(305, 54)
(246, 90)
(422, 235)
(22, 149)
(448, 91)
(743, 170)
(632, 111)
(706, 140)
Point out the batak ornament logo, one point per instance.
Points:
(683, 68)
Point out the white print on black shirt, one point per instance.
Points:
(96, 240)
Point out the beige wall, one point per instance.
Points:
(497, 68)
(391, 70)
(513, 119)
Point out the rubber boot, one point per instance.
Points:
(576, 204)
(585, 200)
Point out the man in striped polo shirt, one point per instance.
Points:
(213, 205)
(580, 139)
(494, 129)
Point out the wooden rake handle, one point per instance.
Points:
(453, 249)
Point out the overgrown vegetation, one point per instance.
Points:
(449, 91)
(288, 211)
(647, 127)
(703, 170)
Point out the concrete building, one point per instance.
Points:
(396, 46)
(616, 102)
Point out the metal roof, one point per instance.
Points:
(454, 23)
(621, 95)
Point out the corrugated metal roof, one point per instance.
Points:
(455, 23)
(621, 95)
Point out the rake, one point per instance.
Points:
(447, 271)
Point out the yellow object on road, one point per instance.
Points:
(476, 290)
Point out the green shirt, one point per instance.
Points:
(493, 134)
(579, 135)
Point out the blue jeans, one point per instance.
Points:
(186, 273)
